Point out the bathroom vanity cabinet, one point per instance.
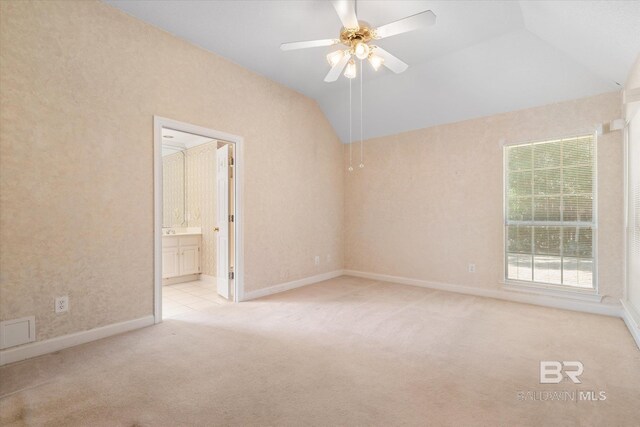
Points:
(181, 256)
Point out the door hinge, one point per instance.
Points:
(230, 218)
(231, 275)
(231, 160)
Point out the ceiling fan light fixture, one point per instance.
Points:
(334, 57)
(362, 50)
(350, 71)
(355, 36)
(375, 61)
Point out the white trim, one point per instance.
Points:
(291, 285)
(632, 320)
(626, 204)
(522, 297)
(631, 103)
(238, 142)
(39, 348)
(552, 137)
(580, 294)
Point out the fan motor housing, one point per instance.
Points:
(351, 36)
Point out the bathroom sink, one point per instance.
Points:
(181, 231)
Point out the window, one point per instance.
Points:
(550, 212)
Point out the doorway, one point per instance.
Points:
(198, 181)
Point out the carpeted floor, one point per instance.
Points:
(342, 352)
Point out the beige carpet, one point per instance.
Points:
(343, 352)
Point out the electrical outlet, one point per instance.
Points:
(62, 304)
(317, 260)
(472, 268)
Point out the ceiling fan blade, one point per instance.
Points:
(308, 44)
(390, 61)
(335, 71)
(346, 10)
(404, 25)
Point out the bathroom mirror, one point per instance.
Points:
(188, 180)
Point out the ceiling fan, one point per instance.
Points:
(356, 36)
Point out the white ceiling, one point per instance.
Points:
(175, 140)
(481, 57)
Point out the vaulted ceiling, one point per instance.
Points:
(481, 57)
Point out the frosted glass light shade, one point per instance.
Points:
(375, 61)
(350, 71)
(362, 50)
(334, 57)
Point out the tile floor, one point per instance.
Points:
(188, 297)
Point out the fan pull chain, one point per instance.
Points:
(350, 132)
(361, 108)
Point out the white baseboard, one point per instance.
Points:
(631, 318)
(39, 348)
(628, 314)
(291, 285)
(527, 298)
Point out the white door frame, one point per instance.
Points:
(238, 142)
(222, 207)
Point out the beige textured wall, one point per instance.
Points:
(79, 85)
(633, 81)
(633, 188)
(429, 202)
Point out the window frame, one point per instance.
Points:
(551, 289)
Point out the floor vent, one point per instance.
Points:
(17, 331)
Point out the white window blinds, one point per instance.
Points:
(550, 211)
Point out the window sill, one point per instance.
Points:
(543, 289)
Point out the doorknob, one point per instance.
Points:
(216, 229)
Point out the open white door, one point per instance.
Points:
(222, 239)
